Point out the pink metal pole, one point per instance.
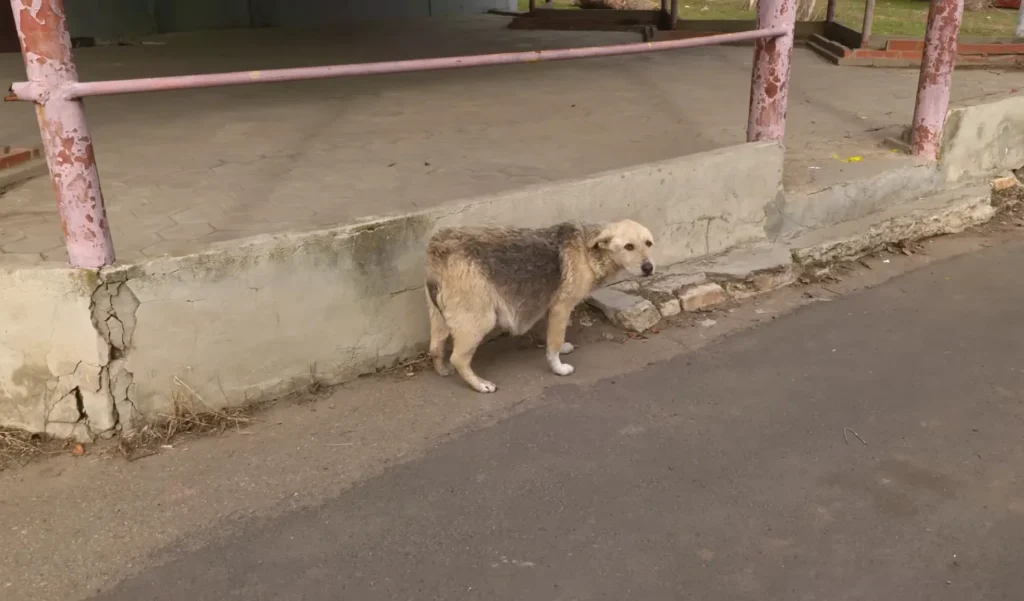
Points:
(869, 19)
(940, 40)
(46, 48)
(769, 86)
(73, 89)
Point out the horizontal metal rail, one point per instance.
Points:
(34, 92)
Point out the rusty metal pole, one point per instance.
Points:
(830, 12)
(869, 19)
(940, 40)
(673, 17)
(1020, 21)
(769, 85)
(533, 5)
(46, 49)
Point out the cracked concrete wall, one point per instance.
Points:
(84, 354)
(65, 333)
(257, 320)
(983, 139)
(51, 357)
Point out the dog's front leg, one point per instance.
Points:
(558, 321)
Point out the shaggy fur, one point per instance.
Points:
(482, 278)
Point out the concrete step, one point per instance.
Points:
(831, 51)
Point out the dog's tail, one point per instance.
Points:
(433, 288)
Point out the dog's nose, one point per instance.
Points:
(647, 268)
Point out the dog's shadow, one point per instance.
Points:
(502, 357)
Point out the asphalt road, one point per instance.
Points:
(728, 474)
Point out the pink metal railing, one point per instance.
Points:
(33, 91)
(53, 85)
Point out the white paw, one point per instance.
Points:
(567, 348)
(485, 386)
(563, 369)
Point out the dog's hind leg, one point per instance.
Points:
(558, 321)
(466, 338)
(439, 333)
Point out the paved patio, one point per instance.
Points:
(182, 170)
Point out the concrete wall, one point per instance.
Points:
(256, 320)
(109, 19)
(52, 359)
(983, 139)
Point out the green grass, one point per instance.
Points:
(903, 18)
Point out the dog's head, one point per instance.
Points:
(628, 245)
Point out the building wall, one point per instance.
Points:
(108, 19)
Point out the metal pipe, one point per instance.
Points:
(673, 18)
(769, 85)
(940, 41)
(830, 12)
(663, 16)
(32, 91)
(869, 19)
(46, 49)
(533, 5)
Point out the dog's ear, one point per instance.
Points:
(601, 240)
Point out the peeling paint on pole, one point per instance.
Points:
(769, 86)
(46, 48)
(940, 41)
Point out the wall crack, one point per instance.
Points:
(94, 401)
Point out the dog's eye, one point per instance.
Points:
(629, 247)
(649, 243)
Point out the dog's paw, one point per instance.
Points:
(567, 348)
(443, 369)
(563, 369)
(485, 386)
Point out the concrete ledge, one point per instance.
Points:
(249, 321)
(983, 139)
(891, 185)
(946, 213)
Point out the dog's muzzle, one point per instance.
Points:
(647, 268)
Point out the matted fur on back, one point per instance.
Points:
(524, 267)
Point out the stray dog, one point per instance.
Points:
(482, 277)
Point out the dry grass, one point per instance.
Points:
(18, 448)
(190, 415)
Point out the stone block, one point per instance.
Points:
(626, 286)
(625, 310)
(670, 307)
(702, 298)
(672, 285)
(1005, 183)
